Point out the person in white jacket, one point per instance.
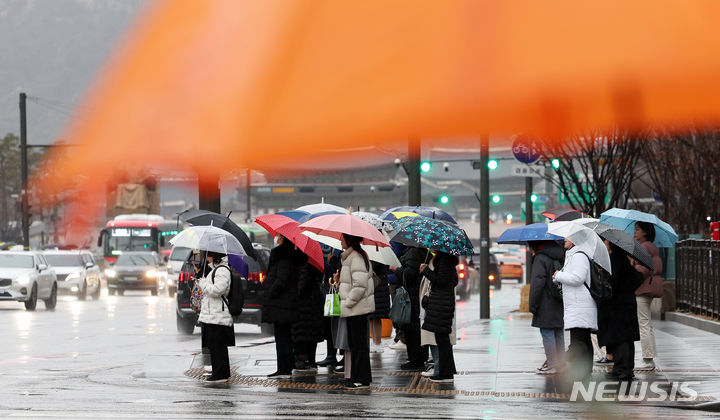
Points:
(580, 309)
(216, 323)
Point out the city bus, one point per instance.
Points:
(137, 232)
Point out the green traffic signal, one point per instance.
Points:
(492, 164)
(444, 199)
(555, 163)
(533, 198)
(426, 167)
(496, 199)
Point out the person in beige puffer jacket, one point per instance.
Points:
(357, 300)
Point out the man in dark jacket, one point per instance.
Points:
(547, 309)
(409, 276)
(308, 327)
(618, 328)
(280, 307)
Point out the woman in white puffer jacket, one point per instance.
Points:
(580, 309)
(216, 323)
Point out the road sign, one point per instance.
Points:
(524, 170)
(524, 149)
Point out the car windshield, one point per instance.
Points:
(65, 260)
(16, 261)
(135, 259)
(180, 253)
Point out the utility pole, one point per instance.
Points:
(248, 218)
(24, 172)
(528, 221)
(413, 172)
(484, 228)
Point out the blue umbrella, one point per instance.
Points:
(429, 212)
(522, 234)
(299, 216)
(422, 232)
(665, 235)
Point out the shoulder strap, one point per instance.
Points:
(224, 299)
(591, 269)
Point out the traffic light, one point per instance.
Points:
(533, 198)
(508, 218)
(444, 199)
(496, 199)
(555, 163)
(425, 167)
(492, 164)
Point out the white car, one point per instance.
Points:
(77, 272)
(25, 276)
(174, 264)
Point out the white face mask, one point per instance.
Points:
(275, 241)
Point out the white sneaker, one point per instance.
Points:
(376, 348)
(429, 372)
(207, 368)
(648, 364)
(398, 345)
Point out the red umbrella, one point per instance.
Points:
(563, 214)
(278, 224)
(334, 225)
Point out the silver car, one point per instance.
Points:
(25, 276)
(77, 272)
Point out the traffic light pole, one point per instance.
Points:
(528, 221)
(484, 228)
(413, 172)
(24, 172)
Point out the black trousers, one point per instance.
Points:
(305, 350)
(623, 359)
(359, 340)
(580, 352)
(328, 336)
(284, 348)
(445, 354)
(417, 354)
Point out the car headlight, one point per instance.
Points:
(151, 274)
(110, 272)
(23, 280)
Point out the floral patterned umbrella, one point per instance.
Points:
(423, 232)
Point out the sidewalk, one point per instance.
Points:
(495, 358)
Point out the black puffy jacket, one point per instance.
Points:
(617, 318)
(440, 309)
(281, 284)
(308, 326)
(547, 311)
(409, 276)
(382, 292)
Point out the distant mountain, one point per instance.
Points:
(52, 50)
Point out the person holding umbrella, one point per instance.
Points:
(651, 288)
(307, 329)
(440, 310)
(357, 300)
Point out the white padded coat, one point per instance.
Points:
(580, 309)
(212, 309)
(356, 290)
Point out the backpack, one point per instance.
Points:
(400, 312)
(555, 289)
(235, 298)
(600, 288)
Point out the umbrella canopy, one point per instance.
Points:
(371, 218)
(322, 208)
(623, 240)
(523, 234)
(297, 215)
(278, 224)
(383, 254)
(563, 214)
(335, 225)
(405, 211)
(585, 239)
(434, 234)
(208, 238)
(665, 235)
(207, 218)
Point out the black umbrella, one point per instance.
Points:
(624, 241)
(563, 214)
(206, 218)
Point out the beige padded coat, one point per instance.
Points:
(356, 287)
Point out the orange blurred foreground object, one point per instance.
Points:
(215, 85)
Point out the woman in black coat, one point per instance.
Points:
(382, 305)
(440, 310)
(617, 318)
(409, 277)
(280, 306)
(308, 327)
(547, 310)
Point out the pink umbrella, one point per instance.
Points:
(334, 225)
(278, 224)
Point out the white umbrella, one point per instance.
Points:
(585, 239)
(383, 254)
(208, 238)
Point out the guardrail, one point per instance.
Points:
(698, 277)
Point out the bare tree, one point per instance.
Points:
(683, 171)
(596, 168)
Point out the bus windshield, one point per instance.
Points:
(131, 239)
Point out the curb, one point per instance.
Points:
(693, 321)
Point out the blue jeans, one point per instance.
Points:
(436, 359)
(554, 344)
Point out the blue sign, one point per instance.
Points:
(524, 149)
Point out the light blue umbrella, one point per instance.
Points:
(665, 235)
(521, 235)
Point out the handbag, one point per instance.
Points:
(332, 303)
(196, 296)
(400, 312)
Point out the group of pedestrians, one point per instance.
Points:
(560, 300)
